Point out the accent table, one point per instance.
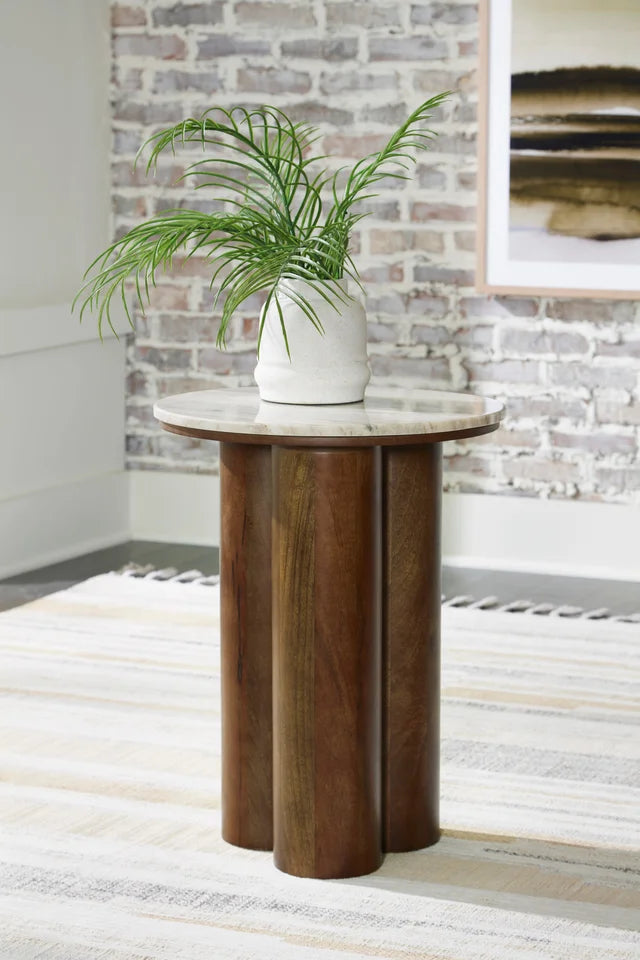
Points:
(330, 618)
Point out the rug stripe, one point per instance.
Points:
(109, 796)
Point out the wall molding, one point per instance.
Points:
(27, 329)
(567, 538)
(528, 534)
(57, 523)
(174, 507)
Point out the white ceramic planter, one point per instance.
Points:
(324, 368)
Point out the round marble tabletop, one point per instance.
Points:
(388, 415)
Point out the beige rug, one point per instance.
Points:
(109, 796)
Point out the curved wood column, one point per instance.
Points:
(327, 786)
(412, 483)
(245, 626)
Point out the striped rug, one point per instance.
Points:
(109, 796)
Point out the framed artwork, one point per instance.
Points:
(559, 186)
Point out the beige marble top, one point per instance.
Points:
(385, 412)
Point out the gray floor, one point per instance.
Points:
(59, 576)
(619, 597)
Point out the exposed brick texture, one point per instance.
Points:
(124, 16)
(363, 13)
(568, 369)
(271, 14)
(185, 14)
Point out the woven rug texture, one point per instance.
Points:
(110, 796)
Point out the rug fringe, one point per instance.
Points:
(173, 575)
(168, 574)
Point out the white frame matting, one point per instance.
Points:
(496, 271)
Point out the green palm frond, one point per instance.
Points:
(398, 152)
(259, 164)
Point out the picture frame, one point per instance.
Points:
(559, 148)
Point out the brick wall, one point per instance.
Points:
(569, 370)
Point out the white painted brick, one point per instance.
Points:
(568, 369)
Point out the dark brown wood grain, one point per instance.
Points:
(246, 658)
(411, 646)
(327, 681)
(369, 440)
(293, 663)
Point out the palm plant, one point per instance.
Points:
(272, 228)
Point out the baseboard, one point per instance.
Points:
(556, 537)
(566, 538)
(175, 507)
(58, 523)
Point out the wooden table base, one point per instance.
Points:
(334, 553)
(245, 627)
(411, 597)
(326, 681)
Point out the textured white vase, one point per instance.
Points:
(324, 368)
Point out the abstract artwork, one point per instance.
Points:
(560, 165)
